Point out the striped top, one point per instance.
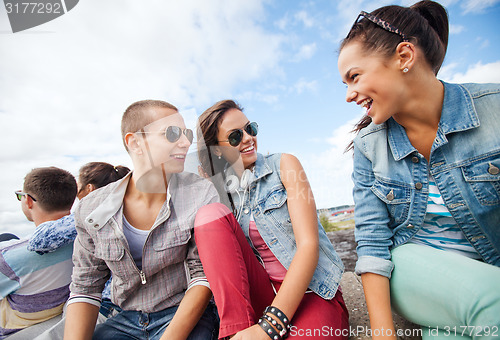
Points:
(440, 229)
(33, 286)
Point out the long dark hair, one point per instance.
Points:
(207, 132)
(424, 23)
(100, 174)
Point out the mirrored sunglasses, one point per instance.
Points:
(235, 137)
(20, 194)
(174, 133)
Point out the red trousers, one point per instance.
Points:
(242, 288)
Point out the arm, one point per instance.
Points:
(302, 209)
(378, 301)
(80, 322)
(188, 314)
(373, 236)
(89, 277)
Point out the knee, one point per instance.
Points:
(210, 213)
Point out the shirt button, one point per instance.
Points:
(418, 185)
(246, 210)
(414, 159)
(96, 226)
(390, 196)
(410, 226)
(91, 220)
(493, 170)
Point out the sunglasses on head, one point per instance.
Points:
(381, 23)
(20, 194)
(235, 137)
(173, 134)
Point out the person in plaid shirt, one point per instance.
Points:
(140, 230)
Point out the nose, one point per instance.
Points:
(246, 137)
(350, 95)
(184, 141)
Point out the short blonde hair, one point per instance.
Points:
(138, 115)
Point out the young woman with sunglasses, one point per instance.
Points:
(426, 177)
(272, 270)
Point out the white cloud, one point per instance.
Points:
(303, 85)
(477, 6)
(477, 73)
(305, 52)
(456, 29)
(64, 85)
(329, 172)
(305, 19)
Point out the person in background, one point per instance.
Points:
(140, 230)
(34, 285)
(91, 176)
(274, 260)
(426, 178)
(95, 175)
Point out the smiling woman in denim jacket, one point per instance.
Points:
(426, 177)
(275, 253)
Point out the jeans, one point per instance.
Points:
(450, 295)
(150, 326)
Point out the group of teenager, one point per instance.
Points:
(237, 251)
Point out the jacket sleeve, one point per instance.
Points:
(372, 232)
(89, 272)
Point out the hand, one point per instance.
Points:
(251, 333)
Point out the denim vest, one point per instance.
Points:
(267, 201)
(391, 178)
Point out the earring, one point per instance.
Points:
(219, 157)
(405, 70)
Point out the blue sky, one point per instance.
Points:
(65, 84)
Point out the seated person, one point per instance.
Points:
(91, 176)
(35, 286)
(140, 230)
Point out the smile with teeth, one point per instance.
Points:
(367, 103)
(250, 148)
(179, 156)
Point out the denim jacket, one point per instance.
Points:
(267, 202)
(391, 178)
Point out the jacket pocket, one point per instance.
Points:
(274, 199)
(110, 251)
(274, 205)
(483, 176)
(396, 196)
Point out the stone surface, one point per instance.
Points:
(352, 290)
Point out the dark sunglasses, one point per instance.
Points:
(381, 23)
(235, 137)
(174, 133)
(20, 194)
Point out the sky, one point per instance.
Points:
(65, 84)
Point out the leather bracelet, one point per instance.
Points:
(280, 315)
(270, 331)
(274, 323)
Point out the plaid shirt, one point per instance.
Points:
(170, 257)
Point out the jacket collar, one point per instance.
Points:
(458, 114)
(112, 204)
(261, 167)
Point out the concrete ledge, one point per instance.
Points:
(359, 321)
